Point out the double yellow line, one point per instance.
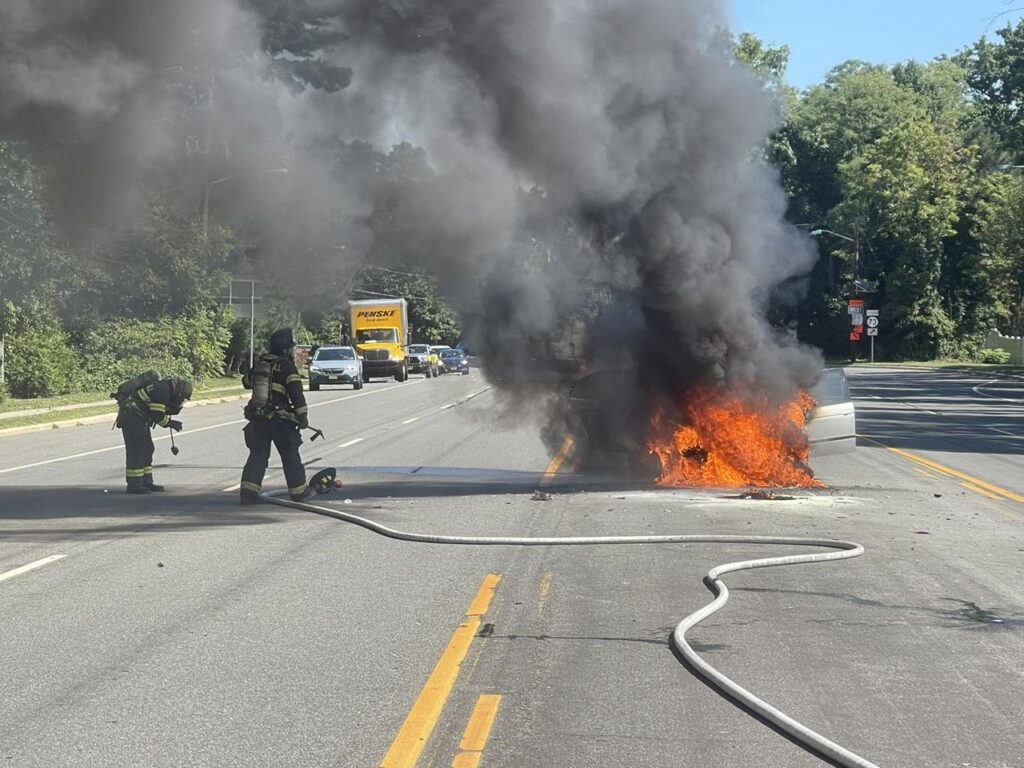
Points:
(968, 481)
(419, 724)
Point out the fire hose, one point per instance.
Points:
(843, 550)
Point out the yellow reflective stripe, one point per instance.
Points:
(147, 470)
(293, 377)
(248, 486)
(300, 410)
(165, 421)
(297, 489)
(134, 472)
(279, 388)
(158, 407)
(143, 395)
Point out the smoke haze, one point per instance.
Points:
(592, 183)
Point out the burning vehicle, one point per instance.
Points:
(716, 437)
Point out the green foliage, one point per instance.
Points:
(32, 268)
(39, 359)
(995, 356)
(189, 346)
(904, 187)
(1000, 262)
(995, 75)
(163, 267)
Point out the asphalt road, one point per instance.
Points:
(181, 629)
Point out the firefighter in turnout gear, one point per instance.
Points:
(276, 412)
(145, 402)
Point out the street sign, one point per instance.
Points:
(855, 306)
(856, 319)
(873, 322)
(872, 331)
(871, 312)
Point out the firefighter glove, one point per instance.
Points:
(174, 425)
(303, 421)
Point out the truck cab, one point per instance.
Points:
(380, 332)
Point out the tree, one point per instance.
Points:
(995, 75)
(1000, 263)
(904, 187)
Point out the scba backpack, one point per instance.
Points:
(133, 385)
(262, 377)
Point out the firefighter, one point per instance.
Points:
(139, 410)
(275, 412)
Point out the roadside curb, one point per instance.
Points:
(102, 417)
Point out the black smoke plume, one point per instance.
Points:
(590, 192)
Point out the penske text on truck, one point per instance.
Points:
(380, 332)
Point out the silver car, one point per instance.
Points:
(832, 424)
(335, 365)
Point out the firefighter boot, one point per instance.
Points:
(306, 493)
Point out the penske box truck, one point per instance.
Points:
(380, 333)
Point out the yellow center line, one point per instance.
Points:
(478, 730)
(982, 491)
(1001, 493)
(556, 462)
(422, 718)
(543, 590)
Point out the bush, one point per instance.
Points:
(39, 359)
(188, 346)
(997, 356)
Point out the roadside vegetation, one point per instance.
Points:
(23, 412)
(907, 175)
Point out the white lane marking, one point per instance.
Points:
(188, 432)
(29, 567)
(234, 487)
(62, 458)
(446, 407)
(353, 441)
(410, 421)
(977, 391)
(1005, 432)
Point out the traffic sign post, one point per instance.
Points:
(855, 308)
(872, 323)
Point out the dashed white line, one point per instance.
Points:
(353, 441)
(193, 431)
(1005, 432)
(410, 421)
(29, 567)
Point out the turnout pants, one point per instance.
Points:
(284, 435)
(138, 449)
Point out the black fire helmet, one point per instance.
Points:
(281, 341)
(181, 390)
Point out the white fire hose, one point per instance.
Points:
(845, 549)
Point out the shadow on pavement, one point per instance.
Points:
(933, 411)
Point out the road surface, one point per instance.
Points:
(181, 629)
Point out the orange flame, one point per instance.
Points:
(726, 440)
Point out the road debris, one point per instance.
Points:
(540, 496)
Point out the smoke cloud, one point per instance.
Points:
(586, 178)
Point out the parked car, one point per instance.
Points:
(436, 349)
(832, 423)
(420, 359)
(454, 361)
(335, 365)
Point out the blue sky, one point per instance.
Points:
(823, 33)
